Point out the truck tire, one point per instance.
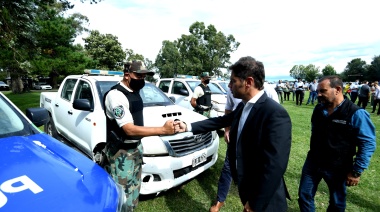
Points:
(50, 129)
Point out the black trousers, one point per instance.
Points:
(299, 97)
(363, 101)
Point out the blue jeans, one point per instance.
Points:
(224, 180)
(312, 97)
(311, 177)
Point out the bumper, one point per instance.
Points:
(162, 173)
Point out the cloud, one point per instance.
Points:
(281, 34)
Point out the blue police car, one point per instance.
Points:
(39, 173)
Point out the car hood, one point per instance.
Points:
(157, 115)
(220, 98)
(38, 173)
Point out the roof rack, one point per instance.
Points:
(103, 72)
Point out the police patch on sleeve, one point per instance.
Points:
(118, 112)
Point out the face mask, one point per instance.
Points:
(207, 81)
(136, 84)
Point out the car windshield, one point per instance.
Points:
(214, 89)
(224, 85)
(12, 123)
(150, 94)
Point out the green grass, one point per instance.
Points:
(198, 194)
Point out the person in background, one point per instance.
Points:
(376, 99)
(279, 91)
(125, 128)
(313, 92)
(354, 91)
(201, 99)
(341, 144)
(294, 90)
(286, 90)
(373, 90)
(299, 85)
(260, 139)
(364, 94)
(225, 178)
(347, 89)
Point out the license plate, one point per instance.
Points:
(199, 159)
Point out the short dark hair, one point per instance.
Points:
(334, 80)
(249, 67)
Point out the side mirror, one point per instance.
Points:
(38, 116)
(183, 92)
(82, 104)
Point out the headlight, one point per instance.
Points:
(153, 145)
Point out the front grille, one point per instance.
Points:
(191, 144)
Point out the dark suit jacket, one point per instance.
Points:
(265, 140)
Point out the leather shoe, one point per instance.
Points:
(216, 207)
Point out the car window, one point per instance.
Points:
(164, 85)
(177, 86)
(84, 91)
(224, 85)
(68, 88)
(152, 96)
(11, 122)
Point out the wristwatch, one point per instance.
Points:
(356, 174)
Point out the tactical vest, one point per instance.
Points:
(333, 139)
(136, 109)
(204, 100)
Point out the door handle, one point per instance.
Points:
(56, 104)
(70, 112)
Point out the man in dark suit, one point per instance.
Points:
(260, 139)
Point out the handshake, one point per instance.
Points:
(173, 126)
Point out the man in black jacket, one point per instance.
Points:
(260, 139)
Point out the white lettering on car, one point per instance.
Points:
(23, 183)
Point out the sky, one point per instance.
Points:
(278, 33)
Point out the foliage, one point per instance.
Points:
(355, 69)
(311, 72)
(106, 49)
(57, 54)
(374, 69)
(204, 49)
(298, 71)
(328, 70)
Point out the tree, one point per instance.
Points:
(374, 69)
(168, 60)
(356, 69)
(298, 71)
(328, 70)
(311, 72)
(106, 49)
(56, 53)
(205, 49)
(18, 29)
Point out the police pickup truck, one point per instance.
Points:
(182, 88)
(39, 173)
(77, 114)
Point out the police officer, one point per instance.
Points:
(125, 128)
(201, 100)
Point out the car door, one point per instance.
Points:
(82, 120)
(63, 107)
(181, 94)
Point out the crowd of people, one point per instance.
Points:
(259, 136)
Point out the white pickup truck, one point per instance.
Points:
(77, 115)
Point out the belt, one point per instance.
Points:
(127, 141)
(127, 146)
